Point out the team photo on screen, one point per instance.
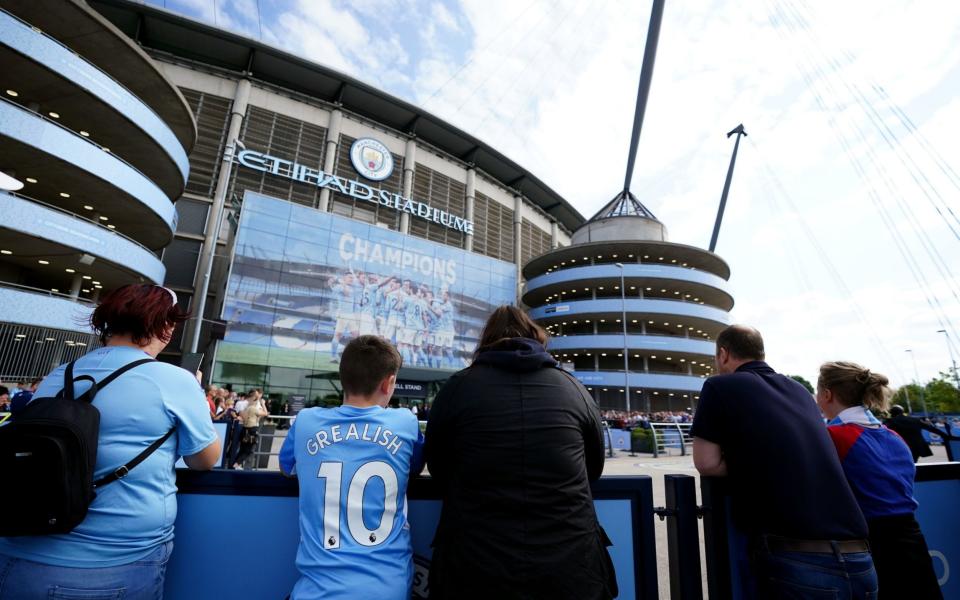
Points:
(304, 283)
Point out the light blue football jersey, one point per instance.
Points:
(353, 465)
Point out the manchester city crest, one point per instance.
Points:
(371, 159)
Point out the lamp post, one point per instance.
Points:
(626, 352)
(916, 379)
(956, 377)
(906, 392)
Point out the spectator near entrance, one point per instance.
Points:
(22, 397)
(764, 432)
(880, 470)
(121, 548)
(911, 430)
(356, 460)
(250, 418)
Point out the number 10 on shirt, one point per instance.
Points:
(332, 472)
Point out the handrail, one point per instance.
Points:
(629, 335)
(682, 431)
(639, 372)
(629, 298)
(44, 292)
(77, 216)
(105, 74)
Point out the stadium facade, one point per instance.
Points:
(621, 287)
(336, 195)
(345, 211)
(98, 140)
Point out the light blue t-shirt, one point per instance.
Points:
(130, 517)
(353, 465)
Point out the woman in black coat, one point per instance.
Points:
(513, 440)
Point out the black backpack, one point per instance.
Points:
(48, 451)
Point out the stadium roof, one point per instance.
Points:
(624, 204)
(182, 37)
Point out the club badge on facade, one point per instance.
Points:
(371, 159)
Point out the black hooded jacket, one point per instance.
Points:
(514, 441)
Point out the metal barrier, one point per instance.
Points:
(683, 536)
(624, 507)
(667, 436)
(609, 438)
(266, 447)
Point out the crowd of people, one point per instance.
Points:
(243, 415)
(512, 442)
(11, 401)
(619, 419)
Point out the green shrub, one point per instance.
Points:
(641, 440)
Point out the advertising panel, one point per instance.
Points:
(304, 282)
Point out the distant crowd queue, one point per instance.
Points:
(620, 419)
(513, 441)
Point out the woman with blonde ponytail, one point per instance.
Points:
(879, 467)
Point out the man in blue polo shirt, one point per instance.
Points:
(353, 463)
(764, 432)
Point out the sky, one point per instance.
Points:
(842, 226)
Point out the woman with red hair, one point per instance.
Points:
(122, 546)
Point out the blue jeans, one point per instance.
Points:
(809, 576)
(140, 580)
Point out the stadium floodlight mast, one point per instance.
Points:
(626, 353)
(739, 132)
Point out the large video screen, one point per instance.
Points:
(304, 282)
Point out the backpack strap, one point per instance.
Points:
(122, 471)
(68, 381)
(88, 396)
(106, 380)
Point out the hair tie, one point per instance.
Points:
(864, 377)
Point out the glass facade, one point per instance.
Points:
(303, 282)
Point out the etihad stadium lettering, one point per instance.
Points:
(297, 172)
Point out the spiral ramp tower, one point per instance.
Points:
(93, 145)
(675, 299)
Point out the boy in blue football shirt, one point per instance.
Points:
(353, 463)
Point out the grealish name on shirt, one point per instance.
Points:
(381, 436)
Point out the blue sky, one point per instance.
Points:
(836, 193)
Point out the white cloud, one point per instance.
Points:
(443, 17)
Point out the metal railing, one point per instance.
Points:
(266, 447)
(44, 292)
(671, 436)
(30, 352)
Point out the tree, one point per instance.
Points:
(802, 381)
(908, 396)
(940, 395)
